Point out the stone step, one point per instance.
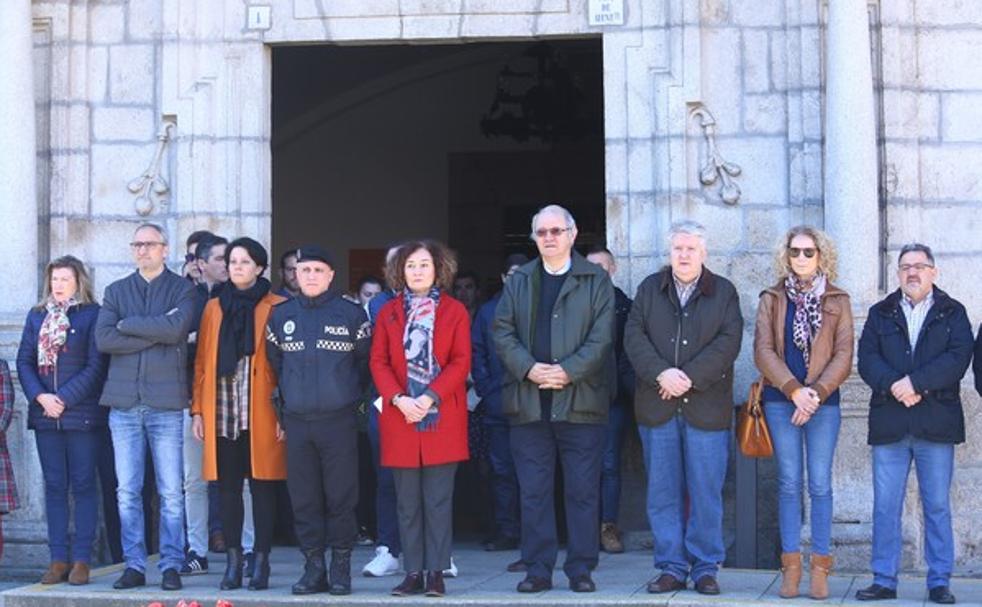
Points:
(483, 580)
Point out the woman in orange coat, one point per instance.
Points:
(233, 407)
(421, 355)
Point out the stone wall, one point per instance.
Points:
(120, 71)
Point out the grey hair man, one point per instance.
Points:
(682, 336)
(143, 324)
(554, 332)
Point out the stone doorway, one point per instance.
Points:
(459, 142)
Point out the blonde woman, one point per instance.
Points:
(803, 347)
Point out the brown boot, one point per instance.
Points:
(821, 567)
(790, 574)
(57, 573)
(79, 575)
(610, 538)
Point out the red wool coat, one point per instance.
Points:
(402, 445)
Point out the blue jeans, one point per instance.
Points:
(68, 459)
(682, 459)
(891, 466)
(386, 517)
(610, 478)
(504, 481)
(132, 430)
(818, 437)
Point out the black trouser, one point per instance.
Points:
(322, 476)
(234, 465)
(581, 448)
(424, 501)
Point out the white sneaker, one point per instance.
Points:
(452, 572)
(383, 564)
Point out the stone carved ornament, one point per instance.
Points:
(715, 167)
(151, 188)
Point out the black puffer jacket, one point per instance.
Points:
(936, 368)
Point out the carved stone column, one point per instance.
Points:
(851, 205)
(18, 203)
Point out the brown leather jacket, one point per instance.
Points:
(831, 353)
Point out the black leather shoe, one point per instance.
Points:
(411, 584)
(170, 580)
(707, 584)
(941, 595)
(665, 582)
(517, 566)
(131, 578)
(582, 583)
(340, 571)
(533, 583)
(501, 543)
(875, 592)
(260, 572)
(233, 569)
(434, 584)
(314, 578)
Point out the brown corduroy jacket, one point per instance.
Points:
(830, 360)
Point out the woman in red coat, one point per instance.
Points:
(421, 355)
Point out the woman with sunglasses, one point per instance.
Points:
(803, 347)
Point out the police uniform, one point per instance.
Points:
(319, 349)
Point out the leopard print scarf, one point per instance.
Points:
(807, 299)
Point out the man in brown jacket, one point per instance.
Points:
(682, 337)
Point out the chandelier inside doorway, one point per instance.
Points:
(542, 99)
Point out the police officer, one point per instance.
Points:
(318, 347)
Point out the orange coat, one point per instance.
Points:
(268, 455)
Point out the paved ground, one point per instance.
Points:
(483, 580)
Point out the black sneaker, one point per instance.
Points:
(131, 578)
(194, 564)
(170, 580)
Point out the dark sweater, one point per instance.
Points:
(542, 340)
(795, 360)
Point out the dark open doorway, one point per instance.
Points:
(377, 144)
(373, 145)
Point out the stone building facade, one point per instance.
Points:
(861, 116)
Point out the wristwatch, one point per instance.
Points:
(396, 397)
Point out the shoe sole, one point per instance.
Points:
(386, 574)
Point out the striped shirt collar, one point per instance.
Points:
(685, 289)
(915, 314)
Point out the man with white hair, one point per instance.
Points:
(554, 332)
(682, 336)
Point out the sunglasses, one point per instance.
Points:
(554, 232)
(807, 252)
(188, 258)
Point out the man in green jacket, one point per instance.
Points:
(554, 332)
(682, 336)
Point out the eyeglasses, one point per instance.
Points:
(796, 252)
(920, 267)
(145, 245)
(554, 232)
(188, 258)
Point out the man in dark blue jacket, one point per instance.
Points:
(915, 348)
(487, 372)
(318, 345)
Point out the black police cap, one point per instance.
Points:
(314, 252)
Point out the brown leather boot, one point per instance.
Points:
(821, 567)
(79, 575)
(790, 574)
(57, 573)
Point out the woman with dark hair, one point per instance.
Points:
(61, 373)
(421, 355)
(232, 407)
(803, 346)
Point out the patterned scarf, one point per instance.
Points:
(807, 299)
(418, 344)
(54, 333)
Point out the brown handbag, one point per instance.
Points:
(752, 434)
